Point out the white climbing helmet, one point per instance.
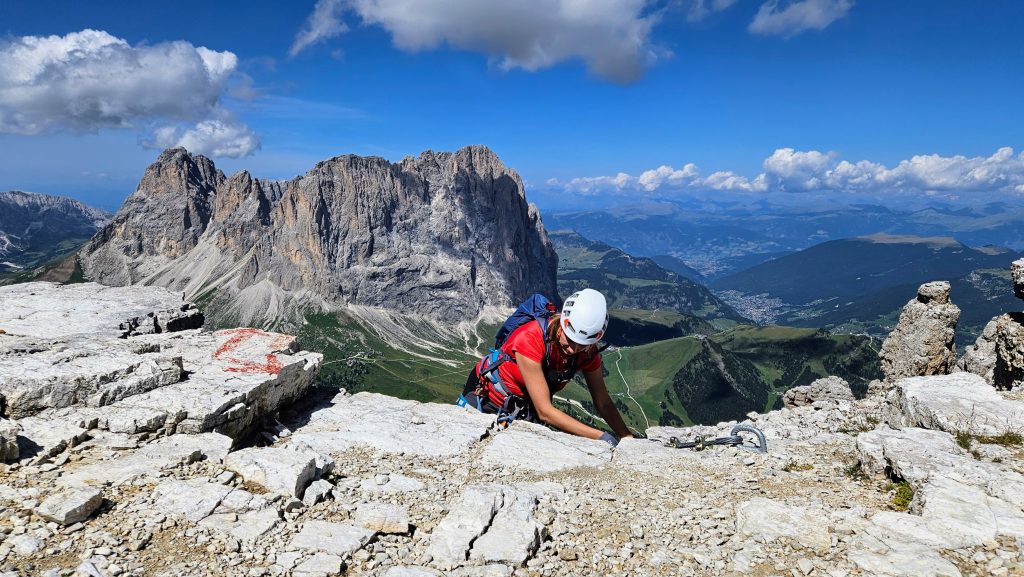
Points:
(585, 316)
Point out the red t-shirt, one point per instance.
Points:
(528, 340)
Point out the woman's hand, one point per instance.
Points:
(604, 404)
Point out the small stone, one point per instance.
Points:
(805, 565)
(317, 491)
(383, 518)
(70, 505)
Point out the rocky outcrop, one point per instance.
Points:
(956, 403)
(826, 390)
(922, 341)
(444, 234)
(1008, 372)
(980, 358)
(74, 358)
(998, 354)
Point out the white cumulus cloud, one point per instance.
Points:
(667, 176)
(799, 16)
(217, 137)
(89, 80)
(612, 37)
(789, 170)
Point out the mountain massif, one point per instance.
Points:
(445, 235)
(36, 228)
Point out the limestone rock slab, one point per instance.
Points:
(904, 560)
(149, 460)
(9, 440)
(531, 447)
(46, 309)
(319, 565)
(335, 538)
(317, 491)
(247, 526)
(43, 437)
(64, 357)
(194, 499)
(466, 520)
(960, 402)
(281, 470)
(652, 458)
(514, 534)
(389, 425)
(833, 389)
(766, 520)
(70, 505)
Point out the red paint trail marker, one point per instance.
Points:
(244, 338)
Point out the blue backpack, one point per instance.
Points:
(537, 308)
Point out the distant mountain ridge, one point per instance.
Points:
(632, 282)
(722, 237)
(445, 235)
(859, 285)
(35, 228)
(858, 266)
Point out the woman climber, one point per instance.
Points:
(532, 361)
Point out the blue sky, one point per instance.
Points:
(597, 100)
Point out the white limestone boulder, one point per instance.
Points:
(385, 518)
(765, 520)
(9, 440)
(70, 505)
(280, 470)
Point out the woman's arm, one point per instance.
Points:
(604, 404)
(537, 388)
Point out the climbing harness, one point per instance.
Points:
(733, 440)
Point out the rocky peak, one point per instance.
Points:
(445, 234)
(921, 343)
(998, 353)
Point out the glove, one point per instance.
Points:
(609, 438)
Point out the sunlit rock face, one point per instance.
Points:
(443, 235)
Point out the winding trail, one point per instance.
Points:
(628, 392)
